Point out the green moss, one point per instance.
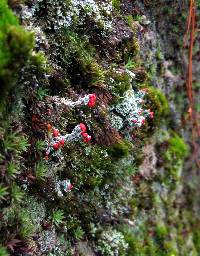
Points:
(15, 143)
(170, 248)
(72, 224)
(97, 74)
(30, 216)
(116, 4)
(156, 200)
(15, 46)
(27, 227)
(58, 217)
(196, 239)
(159, 54)
(78, 233)
(120, 149)
(177, 148)
(137, 17)
(132, 242)
(129, 19)
(39, 60)
(132, 50)
(140, 244)
(40, 146)
(3, 251)
(93, 163)
(119, 82)
(158, 103)
(80, 61)
(3, 192)
(152, 248)
(161, 230)
(130, 64)
(17, 193)
(12, 170)
(41, 170)
(41, 93)
(100, 193)
(173, 154)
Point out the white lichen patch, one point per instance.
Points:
(36, 210)
(47, 240)
(65, 14)
(129, 113)
(100, 12)
(116, 121)
(112, 243)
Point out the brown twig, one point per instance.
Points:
(190, 34)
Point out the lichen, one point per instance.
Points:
(91, 148)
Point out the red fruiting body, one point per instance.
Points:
(84, 134)
(83, 127)
(56, 146)
(92, 100)
(70, 186)
(62, 142)
(134, 121)
(151, 115)
(55, 132)
(143, 121)
(87, 139)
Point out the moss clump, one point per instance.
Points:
(132, 50)
(158, 103)
(133, 244)
(3, 251)
(93, 163)
(27, 228)
(120, 149)
(30, 216)
(140, 244)
(79, 60)
(97, 74)
(170, 248)
(161, 230)
(15, 46)
(119, 82)
(173, 158)
(116, 4)
(196, 239)
(177, 149)
(129, 20)
(39, 61)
